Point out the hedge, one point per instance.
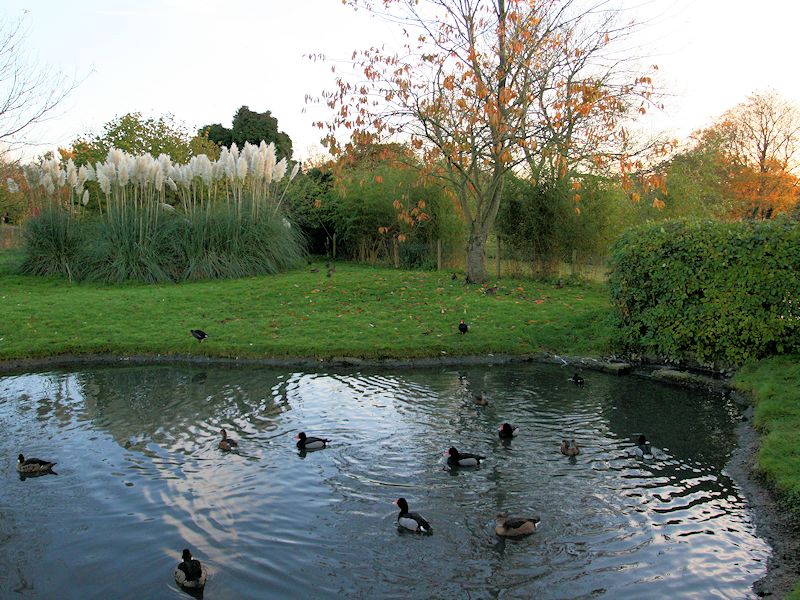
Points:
(721, 293)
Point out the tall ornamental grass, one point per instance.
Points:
(155, 221)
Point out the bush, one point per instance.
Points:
(137, 244)
(52, 242)
(720, 293)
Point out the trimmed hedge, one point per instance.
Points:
(720, 293)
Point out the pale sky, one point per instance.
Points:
(202, 59)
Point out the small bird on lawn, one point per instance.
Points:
(491, 291)
(198, 334)
(453, 277)
(463, 327)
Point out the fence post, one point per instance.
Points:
(497, 258)
(438, 255)
(574, 261)
(395, 253)
(334, 246)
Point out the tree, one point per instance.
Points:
(754, 146)
(483, 86)
(29, 93)
(136, 134)
(253, 127)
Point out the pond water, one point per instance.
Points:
(139, 477)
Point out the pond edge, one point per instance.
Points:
(774, 523)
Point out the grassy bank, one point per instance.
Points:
(359, 311)
(774, 383)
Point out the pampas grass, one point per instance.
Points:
(225, 219)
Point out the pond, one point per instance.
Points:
(140, 477)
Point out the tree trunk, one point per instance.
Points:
(476, 257)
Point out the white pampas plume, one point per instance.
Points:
(102, 179)
(12, 185)
(83, 176)
(269, 162)
(295, 169)
(235, 151)
(115, 156)
(280, 170)
(123, 173)
(167, 207)
(171, 184)
(241, 167)
(85, 199)
(230, 166)
(61, 179)
(158, 180)
(90, 174)
(72, 174)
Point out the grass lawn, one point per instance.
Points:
(775, 386)
(360, 311)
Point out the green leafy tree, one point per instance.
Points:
(253, 127)
(136, 134)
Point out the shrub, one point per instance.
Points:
(52, 243)
(719, 293)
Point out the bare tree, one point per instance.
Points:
(29, 92)
(763, 132)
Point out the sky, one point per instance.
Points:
(200, 60)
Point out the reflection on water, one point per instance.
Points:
(141, 477)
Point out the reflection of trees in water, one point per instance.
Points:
(174, 406)
(694, 425)
(44, 397)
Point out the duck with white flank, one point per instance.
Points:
(34, 466)
(515, 526)
(190, 573)
(570, 448)
(309, 443)
(411, 520)
(576, 379)
(642, 448)
(198, 334)
(462, 459)
(227, 443)
(507, 431)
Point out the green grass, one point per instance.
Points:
(775, 385)
(360, 311)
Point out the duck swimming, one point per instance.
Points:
(507, 431)
(514, 526)
(570, 448)
(576, 379)
(411, 520)
(481, 399)
(227, 443)
(465, 459)
(190, 573)
(309, 443)
(643, 449)
(33, 466)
